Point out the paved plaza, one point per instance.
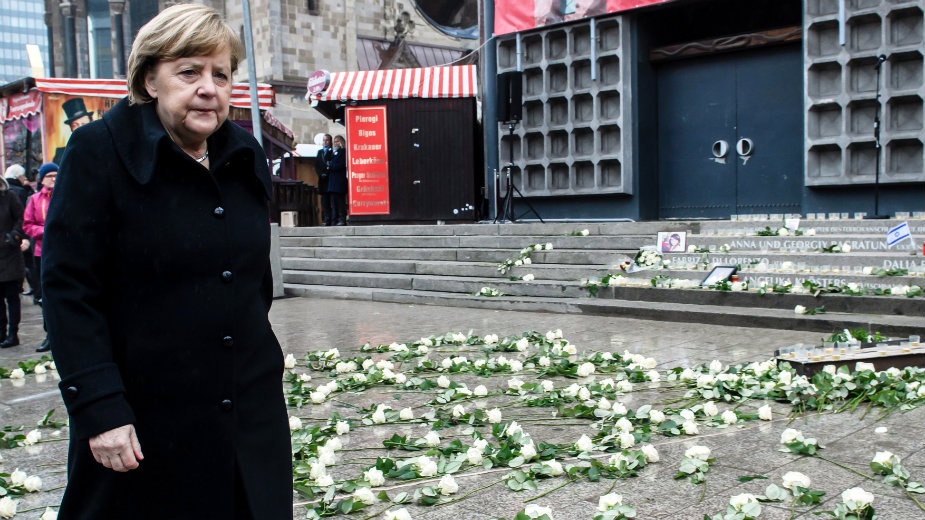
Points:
(749, 448)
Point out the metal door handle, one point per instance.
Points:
(416, 182)
(745, 147)
(720, 149)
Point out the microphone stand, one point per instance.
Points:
(878, 66)
(506, 209)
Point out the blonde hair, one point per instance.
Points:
(180, 31)
(341, 139)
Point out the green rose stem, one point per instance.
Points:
(457, 499)
(374, 515)
(36, 508)
(840, 465)
(703, 491)
(914, 499)
(541, 495)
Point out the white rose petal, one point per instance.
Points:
(528, 277)
(627, 440)
(880, 429)
(365, 495)
(650, 452)
(585, 369)
(690, 428)
(549, 386)
(474, 456)
(790, 435)
(606, 502)
(494, 416)
(398, 514)
(32, 483)
(856, 498)
(657, 416)
(379, 415)
(374, 476)
(49, 514)
(432, 439)
(528, 451)
(554, 466)
(729, 417)
(18, 477)
(459, 410)
(799, 309)
(765, 413)
(447, 485)
(535, 511)
(710, 409)
(295, 423)
(740, 501)
(795, 478)
(698, 452)
(885, 458)
(406, 414)
(342, 427)
(32, 437)
(17, 373)
(584, 443)
(7, 507)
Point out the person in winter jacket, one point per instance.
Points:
(34, 226)
(12, 269)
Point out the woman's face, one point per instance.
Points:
(338, 143)
(49, 180)
(191, 95)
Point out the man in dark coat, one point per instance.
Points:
(157, 286)
(19, 185)
(322, 168)
(337, 181)
(11, 265)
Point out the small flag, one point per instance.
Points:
(898, 234)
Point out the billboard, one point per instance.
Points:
(521, 15)
(64, 113)
(367, 161)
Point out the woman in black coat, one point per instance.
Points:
(157, 287)
(337, 181)
(12, 268)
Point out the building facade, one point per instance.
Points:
(21, 23)
(712, 108)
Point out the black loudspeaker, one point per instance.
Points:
(510, 96)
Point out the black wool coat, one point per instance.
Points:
(337, 177)
(12, 267)
(157, 285)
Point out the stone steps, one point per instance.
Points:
(447, 265)
(670, 312)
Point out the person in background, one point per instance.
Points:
(322, 162)
(16, 177)
(12, 269)
(337, 181)
(34, 226)
(157, 287)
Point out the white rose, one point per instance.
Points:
(706, 380)
(17, 373)
(447, 485)
(290, 362)
(653, 375)
(627, 440)
(603, 404)
(7, 507)
(829, 369)
(527, 261)
(856, 498)
(549, 246)
(584, 394)
(729, 417)
(710, 408)
(459, 410)
(657, 416)
(490, 339)
(374, 476)
(400, 378)
(535, 511)
(740, 501)
(716, 366)
(624, 386)
(40, 369)
(690, 428)
(845, 248)
(406, 414)
(49, 514)
(528, 451)
(790, 435)
(32, 483)
(794, 478)
(326, 455)
(585, 232)
(521, 344)
(585, 369)
(443, 381)
(554, 466)
(379, 415)
(765, 413)
(548, 385)
(474, 456)
(518, 262)
(528, 277)
(691, 248)
(365, 495)
(650, 452)
(880, 429)
(515, 365)
(32, 437)
(432, 439)
(544, 361)
(619, 408)
(398, 514)
(514, 383)
(609, 500)
(334, 444)
(861, 367)
(494, 416)
(480, 391)
(570, 349)
(885, 458)
(687, 374)
(342, 427)
(18, 477)
(295, 423)
(584, 443)
(686, 414)
(785, 377)
(698, 452)
(305, 378)
(624, 425)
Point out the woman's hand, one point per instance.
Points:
(118, 449)
(24, 245)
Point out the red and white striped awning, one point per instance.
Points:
(428, 82)
(240, 93)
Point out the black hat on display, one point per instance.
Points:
(74, 109)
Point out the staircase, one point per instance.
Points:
(447, 265)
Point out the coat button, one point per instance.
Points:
(219, 212)
(228, 341)
(71, 390)
(226, 404)
(226, 276)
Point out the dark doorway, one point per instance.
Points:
(753, 97)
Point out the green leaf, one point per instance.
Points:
(749, 478)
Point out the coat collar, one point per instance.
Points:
(141, 142)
